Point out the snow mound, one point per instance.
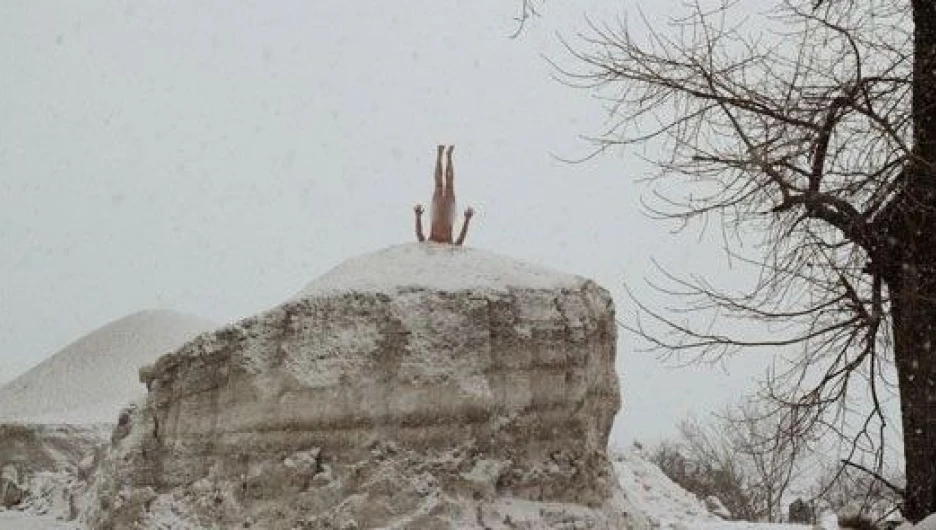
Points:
(438, 267)
(665, 503)
(91, 379)
(669, 507)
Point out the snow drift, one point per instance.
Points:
(90, 380)
(423, 386)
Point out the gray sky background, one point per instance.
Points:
(213, 157)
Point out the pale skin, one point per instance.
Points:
(443, 204)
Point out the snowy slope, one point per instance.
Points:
(89, 380)
(660, 498)
(438, 267)
(670, 507)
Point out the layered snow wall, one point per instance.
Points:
(423, 386)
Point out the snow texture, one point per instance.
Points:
(90, 380)
(438, 267)
(46, 467)
(669, 507)
(666, 504)
(15, 520)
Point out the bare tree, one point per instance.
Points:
(856, 495)
(770, 453)
(528, 10)
(819, 134)
(701, 465)
(741, 457)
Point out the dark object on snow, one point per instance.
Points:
(11, 493)
(857, 522)
(802, 512)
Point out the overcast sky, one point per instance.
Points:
(213, 157)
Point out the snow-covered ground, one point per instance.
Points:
(668, 506)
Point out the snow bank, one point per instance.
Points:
(90, 380)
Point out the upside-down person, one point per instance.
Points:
(442, 210)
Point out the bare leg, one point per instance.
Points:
(469, 213)
(438, 171)
(438, 213)
(447, 222)
(449, 173)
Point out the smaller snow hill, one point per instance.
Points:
(91, 379)
(667, 505)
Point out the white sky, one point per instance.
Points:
(213, 157)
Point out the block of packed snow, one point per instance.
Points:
(421, 386)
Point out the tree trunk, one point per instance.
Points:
(914, 319)
(911, 275)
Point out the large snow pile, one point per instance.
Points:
(90, 380)
(424, 386)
